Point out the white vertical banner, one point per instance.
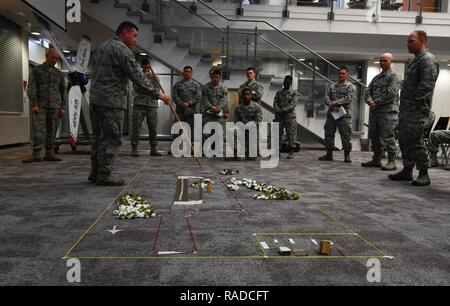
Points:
(75, 100)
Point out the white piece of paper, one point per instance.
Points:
(291, 241)
(169, 253)
(339, 114)
(215, 114)
(314, 241)
(264, 245)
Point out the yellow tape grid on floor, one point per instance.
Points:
(264, 256)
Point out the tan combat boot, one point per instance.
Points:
(375, 162)
(291, 154)
(50, 156)
(154, 151)
(327, 157)
(34, 157)
(134, 151)
(109, 181)
(423, 179)
(390, 166)
(347, 159)
(405, 175)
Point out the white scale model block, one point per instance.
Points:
(183, 195)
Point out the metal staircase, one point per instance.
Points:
(169, 51)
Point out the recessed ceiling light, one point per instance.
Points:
(36, 33)
(143, 54)
(376, 62)
(66, 51)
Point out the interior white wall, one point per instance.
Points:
(441, 105)
(36, 53)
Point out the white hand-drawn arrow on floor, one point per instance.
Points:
(114, 230)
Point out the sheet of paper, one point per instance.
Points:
(214, 114)
(339, 114)
(264, 245)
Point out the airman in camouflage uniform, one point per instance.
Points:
(284, 104)
(215, 104)
(48, 98)
(113, 66)
(145, 106)
(187, 95)
(339, 95)
(248, 111)
(415, 106)
(382, 95)
(436, 138)
(255, 87)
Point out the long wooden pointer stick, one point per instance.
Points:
(176, 117)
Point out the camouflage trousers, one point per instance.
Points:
(189, 119)
(45, 126)
(410, 137)
(382, 132)
(107, 123)
(246, 143)
(436, 138)
(207, 118)
(139, 114)
(344, 126)
(290, 126)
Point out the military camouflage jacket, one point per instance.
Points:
(143, 99)
(384, 90)
(284, 103)
(113, 66)
(47, 87)
(215, 96)
(416, 96)
(344, 94)
(247, 113)
(256, 88)
(190, 92)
